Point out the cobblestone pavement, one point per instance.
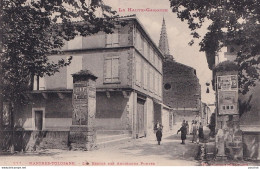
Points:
(144, 151)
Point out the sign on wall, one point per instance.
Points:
(227, 94)
(228, 102)
(227, 83)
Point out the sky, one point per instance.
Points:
(178, 36)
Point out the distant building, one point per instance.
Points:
(181, 88)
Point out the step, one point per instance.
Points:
(113, 142)
(113, 132)
(104, 138)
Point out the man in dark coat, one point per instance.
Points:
(201, 134)
(159, 135)
(183, 131)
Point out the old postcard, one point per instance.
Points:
(129, 83)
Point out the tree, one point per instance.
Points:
(231, 22)
(33, 29)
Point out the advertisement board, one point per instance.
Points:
(227, 83)
(227, 94)
(228, 102)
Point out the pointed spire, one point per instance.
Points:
(163, 43)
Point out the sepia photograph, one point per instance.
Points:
(129, 83)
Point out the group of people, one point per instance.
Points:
(196, 131)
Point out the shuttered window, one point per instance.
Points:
(112, 40)
(111, 69)
(138, 71)
(151, 80)
(145, 76)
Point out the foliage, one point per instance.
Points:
(33, 29)
(231, 22)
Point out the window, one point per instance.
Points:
(111, 69)
(156, 60)
(167, 86)
(112, 39)
(145, 50)
(160, 85)
(39, 83)
(138, 41)
(138, 71)
(151, 55)
(156, 83)
(160, 65)
(151, 80)
(145, 76)
(75, 43)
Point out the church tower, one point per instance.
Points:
(163, 43)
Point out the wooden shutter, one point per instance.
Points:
(115, 69)
(111, 69)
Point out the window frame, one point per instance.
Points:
(113, 79)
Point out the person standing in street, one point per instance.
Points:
(156, 126)
(159, 135)
(192, 125)
(201, 134)
(195, 132)
(183, 131)
(187, 127)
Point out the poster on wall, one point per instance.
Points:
(227, 102)
(227, 83)
(227, 94)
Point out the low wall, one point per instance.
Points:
(33, 140)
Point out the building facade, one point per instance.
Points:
(128, 67)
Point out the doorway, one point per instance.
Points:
(38, 120)
(140, 118)
(38, 115)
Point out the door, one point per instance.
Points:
(38, 120)
(140, 118)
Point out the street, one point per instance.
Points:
(144, 151)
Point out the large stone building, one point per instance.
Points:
(181, 88)
(128, 66)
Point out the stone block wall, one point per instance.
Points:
(181, 86)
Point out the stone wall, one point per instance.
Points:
(34, 140)
(181, 88)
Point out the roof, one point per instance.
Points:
(133, 17)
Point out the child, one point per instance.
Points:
(159, 134)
